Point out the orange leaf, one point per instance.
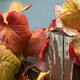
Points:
(76, 42)
(15, 6)
(15, 33)
(36, 43)
(60, 24)
(70, 14)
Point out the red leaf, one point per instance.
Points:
(23, 78)
(43, 48)
(73, 55)
(16, 33)
(52, 24)
(41, 65)
(36, 44)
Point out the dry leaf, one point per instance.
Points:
(42, 75)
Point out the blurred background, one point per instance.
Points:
(39, 15)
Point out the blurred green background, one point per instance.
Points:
(39, 15)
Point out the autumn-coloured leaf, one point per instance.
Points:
(15, 6)
(9, 64)
(35, 44)
(70, 14)
(72, 54)
(52, 24)
(74, 49)
(43, 48)
(42, 75)
(59, 23)
(76, 42)
(23, 78)
(41, 65)
(15, 33)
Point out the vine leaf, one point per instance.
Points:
(34, 45)
(74, 49)
(15, 33)
(76, 42)
(59, 23)
(42, 75)
(23, 78)
(70, 14)
(15, 6)
(41, 66)
(9, 64)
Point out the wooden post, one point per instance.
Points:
(57, 57)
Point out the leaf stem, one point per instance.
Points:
(25, 8)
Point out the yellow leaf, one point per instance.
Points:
(42, 75)
(59, 23)
(15, 6)
(70, 14)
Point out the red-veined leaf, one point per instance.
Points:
(59, 23)
(57, 11)
(15, 34)
(36, 43)
(74, 49)
(15, 6)
(9, 64)
(70, 14)
(72, 54)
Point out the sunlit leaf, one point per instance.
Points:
(15, 6)
(42, 75)
(74, 49)
(60, 24)
(76, 42)
(9, 64)
(34, 45)
(57, 11)
(72, 54)
(70, 14)
(15, 33)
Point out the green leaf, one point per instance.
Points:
(9, 64)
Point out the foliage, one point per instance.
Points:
(59, 22)
(16, 37)
(70, 14)
(42, 75)
(67, 17)
(9, 64)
